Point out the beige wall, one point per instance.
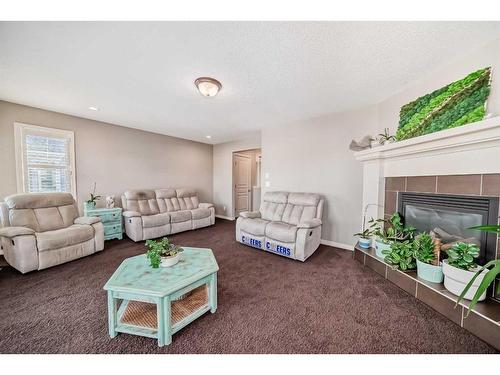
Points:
(314, 157)
(223, 172)
(115, 157)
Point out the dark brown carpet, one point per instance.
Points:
(267, 304)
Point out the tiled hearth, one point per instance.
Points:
(484, 321)
(473, 184)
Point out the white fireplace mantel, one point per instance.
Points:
(468, 149)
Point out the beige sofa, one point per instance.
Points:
(287, 224)
(156, 213)
(41, 230)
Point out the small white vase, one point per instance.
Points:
(170, 261)
(456, 279)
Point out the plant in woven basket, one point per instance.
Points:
(424, 248)
(462, 255)
(401, 255)
(158, 249)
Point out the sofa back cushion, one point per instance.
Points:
(273, 205)
(171, 200)
(301, 207)
(41, 211)
(142, 201)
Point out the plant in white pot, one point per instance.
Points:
(401, 255)
(388, 231)
(163, 253)
(365, 238)
(427, 255)
(460, 268)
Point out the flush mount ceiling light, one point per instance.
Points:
(208, 136)
(93, 108)
(207, 86)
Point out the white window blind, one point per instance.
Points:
(45, 159)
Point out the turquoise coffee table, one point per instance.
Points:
(158, 302)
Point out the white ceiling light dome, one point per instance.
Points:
(208, 86)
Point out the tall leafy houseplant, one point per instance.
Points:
(493, 270)
(389, 231)
(428, 266)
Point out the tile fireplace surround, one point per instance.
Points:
(459, 161)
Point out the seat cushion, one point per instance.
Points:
(200, 213)
(151, 221)
(257, 227)
(72, 235)
(281, 231)
(180, 216)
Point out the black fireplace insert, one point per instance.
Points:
(450, 215)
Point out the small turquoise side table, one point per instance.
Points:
(111, 219)
(158, 302)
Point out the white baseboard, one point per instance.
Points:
(338, 245)
(225, 217)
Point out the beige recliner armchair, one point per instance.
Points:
(41, 230)
(287, 224)
(155, 213)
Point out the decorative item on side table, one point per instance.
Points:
(460, 268)
(110, 201)
(162, 253)
(427, 252)
(91, 202)
(158, 302)
(111, 220)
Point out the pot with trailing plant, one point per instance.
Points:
(387, 232)
(459, 269)
(401, 255)
(427, 256)
(91, 202)
(162, 253)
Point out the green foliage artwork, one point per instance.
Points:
(456, 104)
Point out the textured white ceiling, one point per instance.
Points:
(140, 74)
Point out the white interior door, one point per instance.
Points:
(242, 180)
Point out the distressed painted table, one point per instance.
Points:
(158, 302)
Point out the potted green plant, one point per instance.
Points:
(401, 255)
(385, 137)
(492, 269)
(389, 231)
(162, 253)
(428, 266)
(91, 202)
(459, 269)
(364, 238)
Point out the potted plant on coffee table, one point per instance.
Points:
(162, 253)
(459, 269)
(428, 265)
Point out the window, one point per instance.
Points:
(45, 159)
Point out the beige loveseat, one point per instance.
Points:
(41, 230)
(156, 213)
(287, 224)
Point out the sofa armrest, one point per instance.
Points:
(310, 223)
(132, 214)
(205, 205)
(11, 232)
(87, 220)
(250, 214)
